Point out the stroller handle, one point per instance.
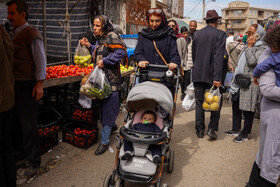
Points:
(135, 136)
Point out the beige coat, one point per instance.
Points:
(249, 97)
(182, 49)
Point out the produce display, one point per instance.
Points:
(66, 71)
(124, 69)
(48, 138)
(82, 61)
(83, 115)
(211, 103)
(81, 137)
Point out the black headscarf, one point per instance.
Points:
(159, 32)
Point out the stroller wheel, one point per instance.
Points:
(171, 161)
(164, 185)
(120, 183)
(107, 181)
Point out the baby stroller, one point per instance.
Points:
(149, 95)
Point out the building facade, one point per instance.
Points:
(136, 12)
(240, 15)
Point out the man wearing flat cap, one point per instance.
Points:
(208, 57)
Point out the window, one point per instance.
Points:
(267, 14)
(237, 12)
(253, 12)
(251, 22)
(237, 22)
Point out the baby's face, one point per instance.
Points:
(148, 118)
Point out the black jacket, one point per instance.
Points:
(145, 50)
(208, 55)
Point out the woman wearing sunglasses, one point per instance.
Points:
(165, 39)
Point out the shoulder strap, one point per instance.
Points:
(234, 48)
(159, 53)
(180, 69)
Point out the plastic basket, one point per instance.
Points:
(48, 137)
(83, 140)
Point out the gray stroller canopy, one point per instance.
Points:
(148, 95)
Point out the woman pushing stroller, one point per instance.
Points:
(155, 39)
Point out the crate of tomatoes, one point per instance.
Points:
(48, 137)
(79, 134)
(49, 121)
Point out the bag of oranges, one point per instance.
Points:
(212, 100)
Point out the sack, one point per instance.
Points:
(188, 103)
(82, 56)
(96, 85)
(228, 80)
(242, 80)
(190, 90)
(212, 100)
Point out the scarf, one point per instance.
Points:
(159, 32)
(242, 58)
(108, 39)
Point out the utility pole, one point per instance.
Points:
(153, 4)
(203, 11)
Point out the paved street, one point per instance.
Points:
(198, 162)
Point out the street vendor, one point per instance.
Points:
(107, 54)
(29, 71)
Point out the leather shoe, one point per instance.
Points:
(200, 134)
(102, 148)
(211, 133)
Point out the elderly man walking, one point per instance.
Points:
(208, 56)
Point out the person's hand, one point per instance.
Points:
(251, 41)
(38, 91)
(100, 64)
(172, 66)
(255, 80)
(142, 64)
(217, 83)
(85, 42)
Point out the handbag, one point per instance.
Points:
(242, 80)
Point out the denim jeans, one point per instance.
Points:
(105, 134)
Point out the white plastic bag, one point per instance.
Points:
(82, 56)
(85, 101)
(188, 103)
(96, 85)
(190, 90)
(212, 100)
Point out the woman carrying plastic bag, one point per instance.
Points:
(107, 54)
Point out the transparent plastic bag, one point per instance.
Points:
(96, 85)
(82, 56)
(188, 103)
(212, 100)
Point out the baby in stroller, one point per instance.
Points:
(147, 124)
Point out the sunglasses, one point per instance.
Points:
(155, 11)
(171, 26)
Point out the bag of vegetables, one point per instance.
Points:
(96, 85)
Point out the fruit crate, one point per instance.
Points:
(49, 116)
(79, 134)
(85, 114)
(48, 137)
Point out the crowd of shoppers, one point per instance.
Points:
(201, 54)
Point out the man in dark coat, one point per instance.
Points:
(208, 55)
